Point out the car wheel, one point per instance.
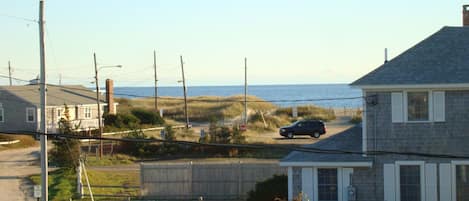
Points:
(290, 135)
(316, 134)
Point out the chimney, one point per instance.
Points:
(465, 15)
(110, 96)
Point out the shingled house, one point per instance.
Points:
(20, 107)
(413, 142)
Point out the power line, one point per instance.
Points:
(211, 100)
(254, 146)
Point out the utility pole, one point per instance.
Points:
(9, 72)
(156, 81)
(43, 89)
(100, 125)
(245, 91)
(60, 78)
(185, 94)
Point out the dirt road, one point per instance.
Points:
(15, 165)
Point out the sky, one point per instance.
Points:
(284, 41)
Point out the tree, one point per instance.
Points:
(66, 152)
(274, 188)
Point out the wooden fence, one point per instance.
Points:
(212, 181)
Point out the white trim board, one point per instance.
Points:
(413, 86)
(327, 164)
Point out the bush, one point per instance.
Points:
(138, 149)
(121, 120)
(147, 117)
(274, 188)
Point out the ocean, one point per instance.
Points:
(325, 95)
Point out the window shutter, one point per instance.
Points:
(397, 107)
(430, 182)
(307, 182)
(439, 106)
(389, 182)
(445, 182)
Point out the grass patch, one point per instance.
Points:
(116, 159)
(62, 184)
(119, 182)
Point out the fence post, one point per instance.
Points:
(191, 184)
(79, 184)
(240, 180)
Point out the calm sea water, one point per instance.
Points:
(282, 95)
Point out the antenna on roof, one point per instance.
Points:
(385, 55)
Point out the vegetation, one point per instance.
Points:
(260, 121)
(198, 107)
(274, 188)
(25, 141)
(62, 184)
(138, 149)
(116, 159)
(356, 117)
(124, 183)
(309, 112)
(147, 116)
(120, 120)
(66, 152)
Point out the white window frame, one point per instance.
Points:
(453, 176)
(2, 114)
(32, 110)
(397, 166)
(430, 104)
(87, 112)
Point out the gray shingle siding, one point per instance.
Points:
(14, 110)
(449, 137)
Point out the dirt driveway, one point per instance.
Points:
(15, 166)
(333, 127)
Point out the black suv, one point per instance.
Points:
(314, 128)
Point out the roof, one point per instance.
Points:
(56, 95)
(442, 58)
(348, 140)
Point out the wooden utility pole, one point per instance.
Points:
(100, 125)
(9, 72)
(43, 101)
(185, 94)
(245, 91)
(156, 81)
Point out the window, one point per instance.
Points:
(59, 113)
(1, 115)
(30, 115)
(327, 185)
(87, 113)
(462, 182)
(410, 187)
(417, 106)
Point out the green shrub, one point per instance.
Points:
(147, 116)
(273, 188)
(121, 120)
(66, 152)
(138, 149)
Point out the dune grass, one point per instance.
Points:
(200, 108)
(25, 141)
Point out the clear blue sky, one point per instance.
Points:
(286, 42)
